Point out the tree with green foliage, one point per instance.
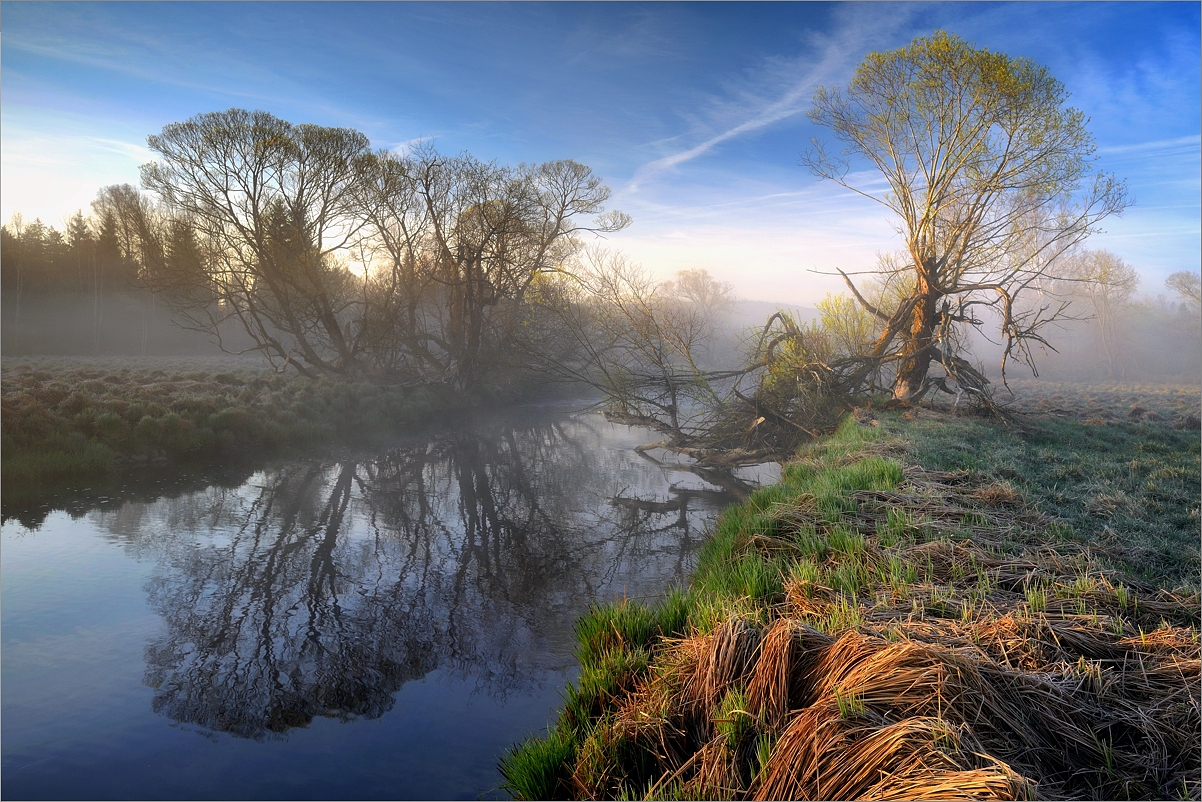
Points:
(991, 178)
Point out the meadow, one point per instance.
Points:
(65, 418)
(930, 605)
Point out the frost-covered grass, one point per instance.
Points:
(926, 606)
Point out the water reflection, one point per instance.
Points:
(319, 588)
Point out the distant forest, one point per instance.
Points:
(79, 291)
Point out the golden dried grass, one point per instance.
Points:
(975, 676)
(822, 755)
(931, 719)
(724, 658)
(768, 691)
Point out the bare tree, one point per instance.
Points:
(357, 264)
(644, 344)
(648, 347)
(139, 228)
(142, 229)
(14, 254)
(1188, 287)
(274, 204)
(990, 176)
(463, 241)
(1107, 284)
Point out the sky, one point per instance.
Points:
(694, 114)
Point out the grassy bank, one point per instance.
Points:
(72, 418)
(927, 606)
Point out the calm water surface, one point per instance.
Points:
(363, 626)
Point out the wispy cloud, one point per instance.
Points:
(213, 64)
(129, 60)
(783, 88)
(694, 112)
(793, 101)
(119, 147)
(1157, 145)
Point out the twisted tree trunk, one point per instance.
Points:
(918, 345)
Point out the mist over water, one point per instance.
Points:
(357, 626)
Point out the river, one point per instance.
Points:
(355, 626)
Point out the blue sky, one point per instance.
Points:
(693, 113)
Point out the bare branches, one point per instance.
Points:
(271, 206)
(1187, 286)
(872, 309)
(359, 264)
(645, 344)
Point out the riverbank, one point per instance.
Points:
(927, 606)
(66, 418)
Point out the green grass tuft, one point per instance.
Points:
(539, 768)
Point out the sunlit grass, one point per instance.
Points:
(979, 550)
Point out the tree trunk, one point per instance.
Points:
(20, 283)
(918, 349)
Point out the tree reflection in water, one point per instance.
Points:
(320, 588)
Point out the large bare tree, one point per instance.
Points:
(1187, 286)
(647, 345)
(474, 236)
(991, 179)
(1107, 284)
(357, 264)
(275, 205)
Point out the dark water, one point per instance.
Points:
(363, 626)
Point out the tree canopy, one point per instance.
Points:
(991, 180)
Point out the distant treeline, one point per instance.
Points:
(1154, 339)
(85, 290)
(1112, 331)
(81, 290)
(325, 257)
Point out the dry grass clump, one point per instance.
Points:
(987, 678)
(825, 755)
(868, 632)
(1111, 504)
(998, 493)
(861, 716)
